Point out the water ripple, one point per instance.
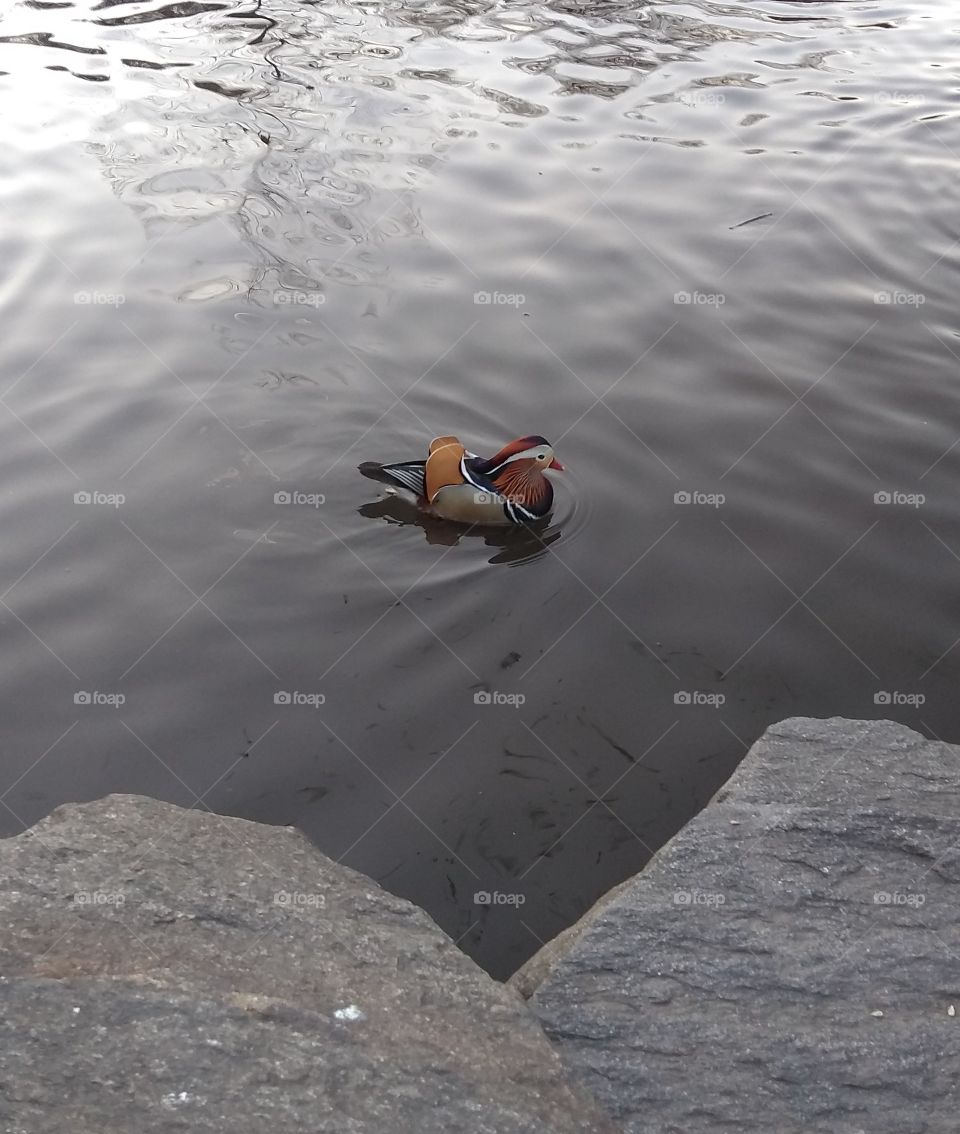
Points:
(709, 249)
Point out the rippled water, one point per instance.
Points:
(243, 245)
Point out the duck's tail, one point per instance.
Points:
(410, 475)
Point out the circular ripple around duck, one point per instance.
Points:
(570, 517)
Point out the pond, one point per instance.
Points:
(710, 251)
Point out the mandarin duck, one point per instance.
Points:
(507, 488)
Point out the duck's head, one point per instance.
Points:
(531, 454)
(517, 471)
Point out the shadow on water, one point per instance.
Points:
(518, 545)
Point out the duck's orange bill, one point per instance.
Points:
(555, 464)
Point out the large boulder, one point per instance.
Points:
(171, 970)
(790, 961)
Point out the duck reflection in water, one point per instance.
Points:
(519, 544)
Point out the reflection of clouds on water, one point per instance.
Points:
(601, 49)
(307, 146)
(309, 131)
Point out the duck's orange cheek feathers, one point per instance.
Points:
(524, 485)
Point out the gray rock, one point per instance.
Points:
(172, 970)
(789, 961)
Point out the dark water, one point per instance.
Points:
(242, 243)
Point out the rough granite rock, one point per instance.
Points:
(790, 962)
(171, 970)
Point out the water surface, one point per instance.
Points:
(247, 246)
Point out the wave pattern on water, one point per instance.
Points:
(708, 250)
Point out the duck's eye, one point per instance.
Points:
(541, 456)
